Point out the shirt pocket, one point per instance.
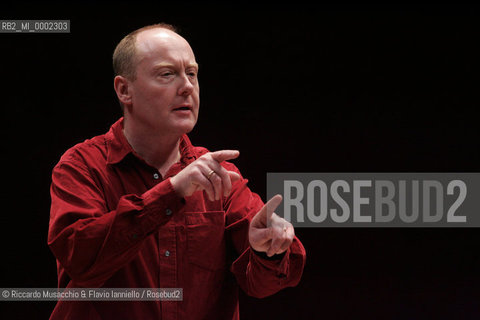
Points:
(206, 239)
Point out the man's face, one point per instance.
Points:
(165, 93)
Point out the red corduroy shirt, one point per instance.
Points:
(115, 222)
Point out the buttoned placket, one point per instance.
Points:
(168, 266)
(167, 255)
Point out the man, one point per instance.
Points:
(140, 207)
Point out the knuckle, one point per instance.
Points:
(196, 171)
(227, 180)
(222, 170)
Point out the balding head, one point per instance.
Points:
(154, 44)
(125, 58)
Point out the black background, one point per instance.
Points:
(296, 88)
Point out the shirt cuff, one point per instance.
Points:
(279, 264)
(163, 195)
(264, 255)
(157, 206)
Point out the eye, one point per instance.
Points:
(166, 73)
(192, 73)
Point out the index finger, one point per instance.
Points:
(265, 214)
(223, 155)
(271, 205)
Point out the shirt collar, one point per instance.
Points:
(118, 147)
(188, 153)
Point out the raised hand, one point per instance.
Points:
(268, 232)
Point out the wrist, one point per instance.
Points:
(176, 186)
(264, 255)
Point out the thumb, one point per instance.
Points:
(234, 176)
(262, 218)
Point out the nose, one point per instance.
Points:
(186, 86)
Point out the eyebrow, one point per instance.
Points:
(169, 65)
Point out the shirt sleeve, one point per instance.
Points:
(91, 243)
(257, 276)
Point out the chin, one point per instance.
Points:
(185, 127)
(188, 130)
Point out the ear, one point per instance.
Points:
(121, 86)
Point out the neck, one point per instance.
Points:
(158, 149)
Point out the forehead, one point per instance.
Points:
(162, 45)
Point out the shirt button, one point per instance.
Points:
(168, 212)
(156, 176)
(167, 253)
